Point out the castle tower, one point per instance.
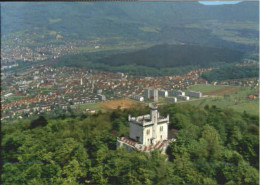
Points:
(154, 119)
(147, 132)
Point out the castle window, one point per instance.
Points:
(161, 128)
(148, 132)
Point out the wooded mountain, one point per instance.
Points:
(161, 56)
(157, 22)
(213, 146)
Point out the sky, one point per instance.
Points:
(218, 2)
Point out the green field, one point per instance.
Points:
(93, 106)
(15, 98)
(237, 100)
(204, 88)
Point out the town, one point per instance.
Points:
(41, 88)
(25, 49)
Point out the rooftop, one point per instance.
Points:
(142, 148)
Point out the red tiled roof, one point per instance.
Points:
(143, 148)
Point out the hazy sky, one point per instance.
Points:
(218, 2)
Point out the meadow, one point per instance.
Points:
(236, 98)
(93, 106)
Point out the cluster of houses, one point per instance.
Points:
(19, 52)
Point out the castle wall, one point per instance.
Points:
(162, 131)
(147, 135)
(136, 131)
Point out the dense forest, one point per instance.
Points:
(213, 146)
(159, 60)
(231, 72)
(89, 61)
(163, 56)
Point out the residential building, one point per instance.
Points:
(101, 97)
(138, 98)
(195, 94)
(163, 93)
(177, 93)
(183, 97)
(171, 99)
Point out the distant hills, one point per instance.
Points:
(162, 56)
(229, 26)
(163, 59)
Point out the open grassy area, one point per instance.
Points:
(93, 106)
(204, 88)
(236, 98)
(15, 98)
(251, 107)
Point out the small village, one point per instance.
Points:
(27, 50)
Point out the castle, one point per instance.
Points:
(147, 132)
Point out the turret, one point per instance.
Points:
(154, 119)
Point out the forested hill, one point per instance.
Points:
(231, 26)
(161, 56)
(125, 13)
(214, 146)
(227, 73)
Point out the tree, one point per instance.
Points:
(41, 121)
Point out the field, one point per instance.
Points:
(93, 106)
(123, 104)
(227, 97)
(222, 91)
(15, 98)
(204, 88)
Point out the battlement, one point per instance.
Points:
(146, 119)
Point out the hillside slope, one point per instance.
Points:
(157, 22)
(161, 56)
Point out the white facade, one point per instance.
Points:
(138, 98)
(163, 93)
(171, 99)
(183, 97)
(151, 94)
(101, 97)
(150, 128)
(147, 93)
(147, 133)
(177, 93)
(195, 94)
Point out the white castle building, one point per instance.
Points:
(147, 132)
